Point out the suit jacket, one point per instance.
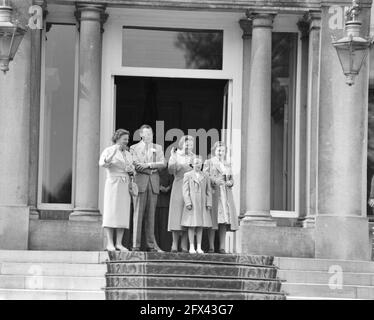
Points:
(155, 157)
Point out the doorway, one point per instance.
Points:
(180, 104)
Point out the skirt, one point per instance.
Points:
(117, 203)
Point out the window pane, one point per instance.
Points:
(59, 114)
(172, 48)
(283, 121)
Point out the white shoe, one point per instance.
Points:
(192, 251)
(122, 249)
(199, 251)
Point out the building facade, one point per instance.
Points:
(261, 75)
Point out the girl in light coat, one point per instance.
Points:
(197, 194)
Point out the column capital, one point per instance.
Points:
(263, 19)
(311, 20)
(91, 12)
(314, 19)
(246, 26)
(304, 27)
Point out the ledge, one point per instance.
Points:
(219, 5)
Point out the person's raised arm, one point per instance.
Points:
(160, 160)
(209, 197)
(173, 166)
(106, 157)
(186, 192)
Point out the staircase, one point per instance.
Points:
(323, 279)
(46, 275)
(168, 276)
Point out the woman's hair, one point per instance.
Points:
(184, 139)
(217, 145)
(118, 134)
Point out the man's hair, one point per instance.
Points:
(145, 126)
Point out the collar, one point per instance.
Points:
(143, 144)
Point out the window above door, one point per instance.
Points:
(172, 48)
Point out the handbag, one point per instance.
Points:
(133, 188)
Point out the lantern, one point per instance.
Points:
(11, 36)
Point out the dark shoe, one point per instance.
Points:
(211, 251)
(174, 251)
(152, 250)
(135, 249)
(222, 251)
(185, 251)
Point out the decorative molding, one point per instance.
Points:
(97, 13)
(261, 19)
(246, 26)
(304, 27)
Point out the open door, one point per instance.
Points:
(227, 139)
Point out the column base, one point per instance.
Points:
(258, 218)
(34, 213)
(345, 238)
(80, 214)
(308, 222)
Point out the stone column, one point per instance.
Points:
(258, 140)
(15, 100)
(91, 18)
(341, 230)
(309, 27)
(36, 47)
(314, 20)
(246, 26)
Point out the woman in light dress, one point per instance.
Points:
(118, 163)
(179, 163)
(224, 216)
(197, 194)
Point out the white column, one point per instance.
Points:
(91, 18)
(246, 26)
(314, 18)
(258, 142)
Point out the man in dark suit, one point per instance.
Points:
(148, 160)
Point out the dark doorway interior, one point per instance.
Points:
(180, 103)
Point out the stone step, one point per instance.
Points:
(21, 294)
(53, 256)
(323, 290)
(141, 282)
(315, 298)
(53, 269)
(228, 259)
(192, 269)
(173, 294)
(322, 277)
(324, 265)
(52, 283)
